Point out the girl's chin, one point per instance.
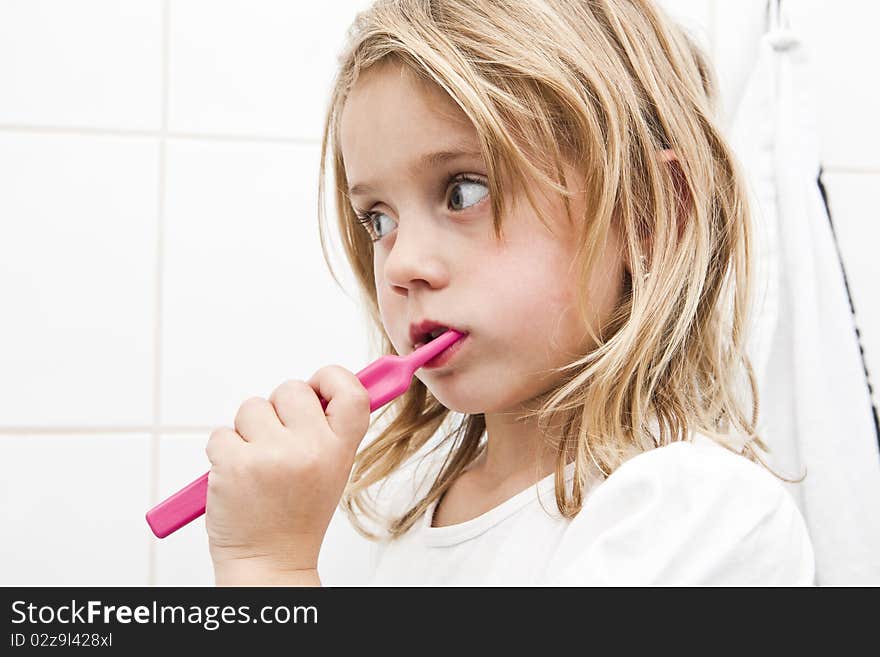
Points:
(448, 394)
(464, 403)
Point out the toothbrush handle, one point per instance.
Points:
(180, 509)
(386, 378)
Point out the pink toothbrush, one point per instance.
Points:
(385, 379)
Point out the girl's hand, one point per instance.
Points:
(277, 478)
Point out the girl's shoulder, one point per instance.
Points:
(696, 467)
(688, 513)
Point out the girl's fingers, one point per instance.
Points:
(256, 420)
(223, 445)
(296, 403)
(348, 407)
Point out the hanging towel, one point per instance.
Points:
(816, 413)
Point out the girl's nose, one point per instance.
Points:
(415, 258)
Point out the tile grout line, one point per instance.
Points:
(305, 141)
(152, 556)
(843, 169)
(83, 131)
(105, 430)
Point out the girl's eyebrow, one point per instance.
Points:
(427, 161)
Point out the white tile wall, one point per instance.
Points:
(256, 67)
(72, 508)
(77, 279)
(695, 16)
(90, 63)
(180, 254)
(842, 37)
(247, 301)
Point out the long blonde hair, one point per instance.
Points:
(605, 85)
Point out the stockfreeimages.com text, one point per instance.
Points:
(210, 617)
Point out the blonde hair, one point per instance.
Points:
(605, 85)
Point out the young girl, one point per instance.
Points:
(547, 177)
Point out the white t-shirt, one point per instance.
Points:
(689, 513)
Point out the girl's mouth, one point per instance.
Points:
(431, 335)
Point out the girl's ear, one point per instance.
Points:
(682, 194)
(684, 202)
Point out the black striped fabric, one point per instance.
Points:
(851, 308)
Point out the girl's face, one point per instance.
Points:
(436, 256)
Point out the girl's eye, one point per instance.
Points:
(466, 183)
(465, 193)
(368, 219)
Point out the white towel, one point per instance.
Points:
(815, 405)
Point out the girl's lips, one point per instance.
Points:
(420, 331)
(445, 356)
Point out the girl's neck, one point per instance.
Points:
(513, 447)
